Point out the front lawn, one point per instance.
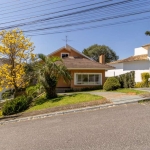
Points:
(43, 103)
(131, 91)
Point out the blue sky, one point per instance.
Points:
(121, 38)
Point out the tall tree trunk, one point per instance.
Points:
(51, 93)
(16, 92)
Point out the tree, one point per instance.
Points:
(16, 50)
(147, 33)
(31, 72)
(95, 51)
(52, 68)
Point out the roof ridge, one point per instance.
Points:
(126, 59)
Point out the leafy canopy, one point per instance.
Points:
(15, 51)
(147, 33)
(52, 68)
(96, 50)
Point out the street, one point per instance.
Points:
(125, 127)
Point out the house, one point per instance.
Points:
(139, 62)
(85, 71)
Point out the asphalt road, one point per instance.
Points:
(124, 127)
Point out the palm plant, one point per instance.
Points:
(52, 68)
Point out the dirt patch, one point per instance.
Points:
(131, 93)
(60, 108)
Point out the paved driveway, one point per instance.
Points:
(125, 127)
(143, 89)
(117, 97)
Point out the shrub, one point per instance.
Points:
(127, 80)
(7, 94)
(85, 89)
(111, 84)
(92, 88)
(16, 105)
(139, 85)
(145, 77)
(34, 91)
(145, 82)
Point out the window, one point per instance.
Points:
(88, 79)
(64, 55)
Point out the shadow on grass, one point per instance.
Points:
(54, 100)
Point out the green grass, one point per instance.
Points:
(43, 103)
(128, 90)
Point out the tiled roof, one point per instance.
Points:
(132, 58)
(83, 63)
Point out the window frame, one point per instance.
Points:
(75, 78)
(64, 53)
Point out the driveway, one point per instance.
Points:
(143, 89)
(114, 97)
(124, 127)
(117, 97)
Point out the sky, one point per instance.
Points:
(122, 38)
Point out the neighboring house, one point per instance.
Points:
(139, 63)
(85, 71)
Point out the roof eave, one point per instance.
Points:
(56, 51)
(147, 46)
(90, 68)
(79, 52)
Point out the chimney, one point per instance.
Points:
(102, 59)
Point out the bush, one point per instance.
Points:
(7, 94)
(16, 105)
(111, 84)
(145, 83)
(139, 85)
(127, 80)
(34, 91)
(92, 88)
(85, 89)
(145, 77)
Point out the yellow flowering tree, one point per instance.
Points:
(15, 52)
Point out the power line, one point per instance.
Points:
(46, 9)
(31, 7)
(26, 2)
(91, 27)
(92, 15)
(68, 14)
(51, 13)
(90, 21)
(8, 2)
(109, 6)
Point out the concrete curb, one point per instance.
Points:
(70, 111)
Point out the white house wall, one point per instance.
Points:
(115, 72)
(137, 66)
(140, 51)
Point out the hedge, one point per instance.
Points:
(127, 80)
